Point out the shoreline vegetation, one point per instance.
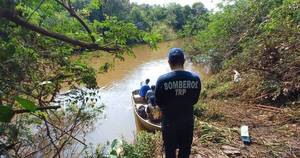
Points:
(258, 39)
(251, 38)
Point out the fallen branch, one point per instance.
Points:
(268, 108)
(260, 97)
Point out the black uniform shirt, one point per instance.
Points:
(176, 92)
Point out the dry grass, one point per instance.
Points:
(273, 134)
(209, 133)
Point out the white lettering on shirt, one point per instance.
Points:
(180, 87)
(166, 86)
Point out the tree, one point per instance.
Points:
(175, 16)
(117, 8)
(196, 19)
(198, 8)
(36, 39)
(138, 18)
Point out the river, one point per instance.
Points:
(117, 85)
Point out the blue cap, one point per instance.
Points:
(176, 55)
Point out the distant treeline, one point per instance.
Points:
(167, 20)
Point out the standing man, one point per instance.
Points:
(176, 92)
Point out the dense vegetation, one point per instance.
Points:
(166, 20)
(36, 39)
(259, 39)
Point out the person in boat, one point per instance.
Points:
(144, 88)
(142, 111)
(154, 113)
(176, 92)
(153, 110)
(150, 93)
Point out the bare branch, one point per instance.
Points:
(41, 149)
(69, 136)
(61, 130)
(49, 135)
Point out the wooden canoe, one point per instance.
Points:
(144, 123)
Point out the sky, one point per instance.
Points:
(209, 4)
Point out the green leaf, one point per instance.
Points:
(113, 156)
(113, 153)
(27, 104)
(94, 4)
(6, 113)
(114, 143)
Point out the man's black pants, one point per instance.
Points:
(178, 136)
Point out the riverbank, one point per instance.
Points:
(118, 83)
(274, 132)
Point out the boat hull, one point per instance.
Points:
(144, 124)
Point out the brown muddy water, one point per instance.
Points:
(117, 85)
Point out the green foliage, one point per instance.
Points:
(27, 104)
(257, 39)
(94, 4)
(117, 148)
(94, 152)
(105, 67)
(154, 18)
(147, 145)
(29, 59)
(88, 78)
(138, 17)
(117, 8)
(6, 113)
(152, 39)
(166, 33)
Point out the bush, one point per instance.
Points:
(147, 145)
(261, 41)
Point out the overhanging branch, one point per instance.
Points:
(73, 13)
(13, 17)
(39, 109)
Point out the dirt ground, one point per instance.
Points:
(274, 132)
